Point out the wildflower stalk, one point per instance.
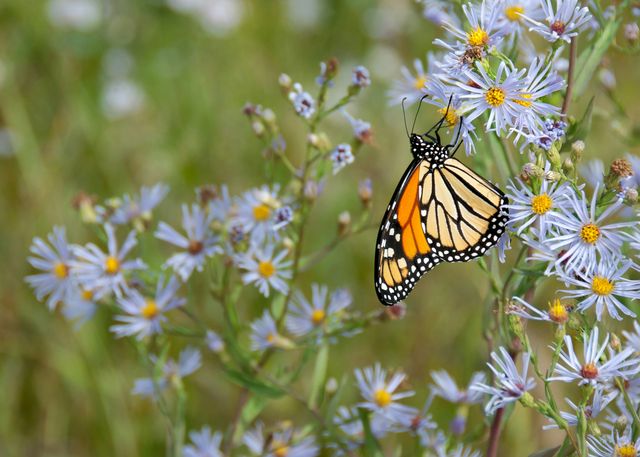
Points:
(570, 78)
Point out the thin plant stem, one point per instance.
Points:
(572, 66)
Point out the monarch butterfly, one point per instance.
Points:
(441, 211)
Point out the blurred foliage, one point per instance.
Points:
(67, 392)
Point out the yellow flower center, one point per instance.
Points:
(626, 450)
(513, 12)
(271, 337)
(558, 312)
(601, 286)
(280, 449)
(150, 310)
(86, 295)
(317, 316)
(477, 37)
(111, 265)
(589, 371)
(419, 82)
(261, 212)
(495, 96)
(60, 270)
(526, 103)
(266, 269)
(542, 203)
(381, 397)
(451, 118)
(590, 233)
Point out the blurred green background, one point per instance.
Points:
(66, 126)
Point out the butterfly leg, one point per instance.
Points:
(438, 125)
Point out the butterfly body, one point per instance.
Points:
(441, 211)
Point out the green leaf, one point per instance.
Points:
(249, 413)
(591, 57)
(254, 385)
(319, 375)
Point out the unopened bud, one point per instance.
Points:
(630, 196)
(577, 149)
(567, 166)
(614, 342)
(331, 387)
(531, 170)
(269, 116)
(554, 157)
(344, 223)
(632, 32)
(311, 190)
(365, 192)
(258, 128)
(621, 424)
(285, 82)
(552, 176)
(288, 243)
(249, 109)
(86, 205)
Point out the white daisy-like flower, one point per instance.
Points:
(633, 339)
(198, 244)
(265, 335)
(615, 445)
(341, 156)
(527, 207)
(105, 273)
(288, 442)
(319, 315)
(54, 259)
(501, 96)
(599, 402)
(80, 306)
(189, 360)
(266, 269)
(510, 19)
(483, 29)
(510, 385)
(562, 22)
(139, 207)
(603, 287)
(302, 101)
(449, 104)
(444, 386)
(145, 315)
(582, 234)
(255, 213)
(413, 83)
(593, 371)
(380, 394)
(541, 252)
(558, 312)
(204, 444)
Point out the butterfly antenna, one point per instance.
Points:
(418, 111)
(404, 116)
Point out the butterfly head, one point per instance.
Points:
(422, 149)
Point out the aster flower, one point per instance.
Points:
(264, 334)
(256, 211)
(633, 339)
(214, 342)
(510, 386)
(444, 386)
(205, 444)
(510, 21)
(282, 217)
(144, 316)
(599, 402)
(54, 259)
(563, 22)
(551, 131)
(380, 394)
(527, 207)
(188, 362)
(79, 306)
(220, 203)
(319, 315)
(593, 371)
(349, 422)
(341, 156)
(448, 101)
(581, 233)
(360, 77)
(265, 269)
(616, 444)
(139, 208)
(198, 244)
(302, 101)
(361, 129)
(558, 313)
(412, 84)
(105, 273)
(603, 287)
(483, 30)
(287, 442)
(501, 96)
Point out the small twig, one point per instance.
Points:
(572, 65)
(494, 435)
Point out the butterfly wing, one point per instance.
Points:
(403, 253)
(464, 213)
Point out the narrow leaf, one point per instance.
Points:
(319, 375)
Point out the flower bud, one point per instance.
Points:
(615, 343)
(577, 149)
(331, 387)
(630, 196)
(394, 312)
(621, 424)
(632, 32)
(258, 128)
(285, 82)
(311, 190)
(554, 157)
(365, 192)
(531, 170)
(567, 166)
(552, 176)
(269, 116)
(344, 223)
(360, 77)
